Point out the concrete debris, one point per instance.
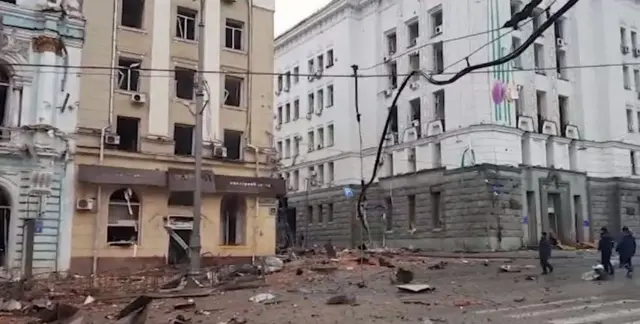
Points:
(235, 320)
(509, 268)
(416, 288)
(383, 262)
(273, 264)
(181, 319)
(88, 300)
(11, 305)
(190, 303)
(437, 266)
(403, 276)
(330, 250)
(341, 300)
(519, 299)
(261, 298)
(58, 313)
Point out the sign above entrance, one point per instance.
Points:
(184, 180)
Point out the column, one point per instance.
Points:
(160, 90)
(48, 50)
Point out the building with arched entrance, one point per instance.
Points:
(39, 48)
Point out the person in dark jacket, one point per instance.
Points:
(544, 250)
(627, 249)
(605, 246)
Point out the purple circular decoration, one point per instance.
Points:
(498, 92)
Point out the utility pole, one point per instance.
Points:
(195, 244)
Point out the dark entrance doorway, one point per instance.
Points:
(178, 246)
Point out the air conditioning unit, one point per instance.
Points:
(309, 115)
(138, 98)
(414, 42)
(438, 30)
(387, 93)
(84, 204)
(317, 74)
(560, 42)
(220, 152)
(415, 123)
(414, 85)
(636, 52)
(391, 139)
(41, 182)
(112, 139)
(625, 49)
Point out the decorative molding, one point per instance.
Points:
(9, 43)
(43, 44)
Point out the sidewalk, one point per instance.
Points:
(525, 254)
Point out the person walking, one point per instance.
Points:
(627, 249)
(544, 250)
(605, 246)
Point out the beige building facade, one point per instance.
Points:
(135, 140)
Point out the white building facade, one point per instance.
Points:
(564, 130)
(40, 54)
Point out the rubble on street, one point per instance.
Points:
(296, 283)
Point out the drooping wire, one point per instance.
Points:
(470, 69)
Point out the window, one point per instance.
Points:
(414, 32)
(279, 115)
(320, 62)
(634, 40)
(436, 212)
(320, 138)
(623, 36)
(320, 97)
(185, 83)
(233, 34)
(183, 137)
(124, 218)
(538, 58)
(186, 23)
(320, 214)
(279, 83)
(329, 58)
(388, 216)
(330, 171)
(329, 212)
(541, 107)
(515, 43)
(330, 95)
(392, 43)
(233, 220)
(296, 145)
(632, 157)
(296, 109)
(626, 77)
(438, 57)
(538, 18)
(414, 64)
(519, 101)
(439, 106)
(287, 81)
(233, 91)
(233, 144)
(129, 74)
(437, 21)
(309, 214)
(330, 135)
(392, 68)
(287, 148)
(563, 111)
(630, 127)
(311, 66)
(561, 65)
(320, 177)
(515, 7)
(636, 79)
(310, 140)
(280, 149)
(296, 180)
(132, 13)
(412, 211)
(287, 113)
(296, 74)
(638, 119)
(5, 100)
(311, 103)
(416, 115)
(128, 129)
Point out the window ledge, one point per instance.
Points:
(185, 41)
(185, 102)
(236, 246)
(235, 51)
(126, 92)
(243, 109)
(132, 29)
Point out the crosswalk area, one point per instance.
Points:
(588, 310)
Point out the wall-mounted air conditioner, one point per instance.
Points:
(138, 98)
(437, 30)
(112, 139)
(84, 204)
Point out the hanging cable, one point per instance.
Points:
(517, 52)
(470, 69)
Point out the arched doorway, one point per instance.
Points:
(5, 225)
(233, 220)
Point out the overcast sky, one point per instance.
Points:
(290, 12)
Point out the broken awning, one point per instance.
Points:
(105, 175)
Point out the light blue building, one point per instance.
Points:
(40, 49)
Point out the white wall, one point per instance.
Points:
(597, 99)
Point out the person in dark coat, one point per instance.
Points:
(605, 246)
(544, 250)
(627, 249)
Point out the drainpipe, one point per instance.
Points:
(249, 76)
(257, 211)
(112, 79)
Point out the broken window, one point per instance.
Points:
(185, 83)
(438, 57)
(330, 212)
(414, 32)
(232, 222)
(392, 43)
(233, 143)
(5, 225)
(320, 214)
(179, 225)
(233, 34)
(412, 211)
(436, 212)
(416, 115)
(183, 138)
(123, 226)
(129, 74)
(393, 75)
(563, 112)
(440, 109)
(329, 58)
(309, 214)
(388, 216)
(233, 91)
(128, 129)
(132, 14)
(186, 23)
(5, 89)
(296, 109)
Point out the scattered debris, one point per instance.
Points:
(383, 262)
(341, 300)
(416, 288)
(530, 278)
(330, 250)
(11, 305)
(261, 298)
(437, 266)
(179, 319)
(88, 300)
(519, 299)
(403, 276)
(509, 268)
(190, 303)
(273, 264)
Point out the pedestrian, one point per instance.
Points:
(605, 246)
(544, 250)
(627, 249)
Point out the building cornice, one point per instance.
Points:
(311, 21)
